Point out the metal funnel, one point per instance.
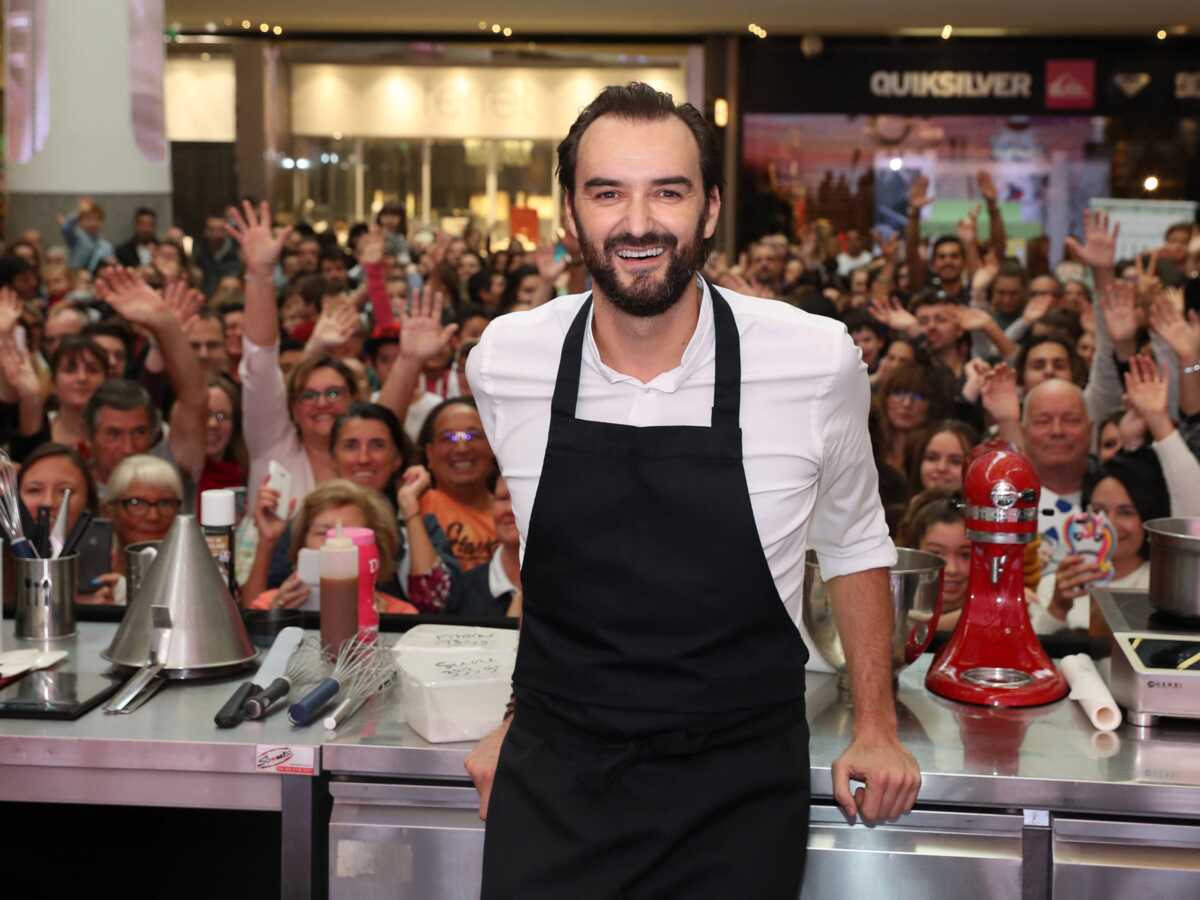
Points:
(208, 637)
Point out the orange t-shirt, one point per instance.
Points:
(471, 533)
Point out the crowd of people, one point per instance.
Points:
(140, 374)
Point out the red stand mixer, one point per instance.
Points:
(993, 658)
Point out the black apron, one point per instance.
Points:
(659, 746)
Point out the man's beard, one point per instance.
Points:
(646, 296)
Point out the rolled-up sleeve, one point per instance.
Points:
(265, 420)
(848, 530)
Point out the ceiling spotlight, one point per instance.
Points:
(1161, 34)
(264, 27)
(496, 29)
(720, 112)
(205, 57)
(896, 164)
(482, 25)
(210, 27)
(302, 163)
(947, 30)
(278, 29)
(1151, 183)
(508, 32)
(288, 163)
(245, 23)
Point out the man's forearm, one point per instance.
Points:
(862, 608)
(997, 235)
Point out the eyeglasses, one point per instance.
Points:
(139, 506)
(330, 395)
(460, 437)
(219, 417)
(914, 396)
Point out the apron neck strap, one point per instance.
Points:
(726, 391)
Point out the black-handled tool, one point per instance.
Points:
(81, 526)
(42, 540)
(231, 714)
(261, 703)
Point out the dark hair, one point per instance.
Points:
(73, 346)
(312, 289)
(112, 327)
(1141, 474)
(471, 311)
(12, 265)
(208, 314)
(382, 336)
(515, 277)
(935, 382)
(357, 230)
(948, 239)
(376, 412)
(393, 209)
(639, 102)
(230, 306)
(1078, 371)
(425, 435)
(858, 319)
(929, 508)
(334, 254)
(478, 283)
(145, 211)
(51, 450)
(287, 344)
(235, 450)
(1178, 226)
(967, 436)
(122, 394)
(933, 296)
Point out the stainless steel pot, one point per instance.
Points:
(916, 589)
(1175, 565)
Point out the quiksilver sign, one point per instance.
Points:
(943, 85)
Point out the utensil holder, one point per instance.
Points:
(45, 597)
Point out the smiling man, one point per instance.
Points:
(672, 451)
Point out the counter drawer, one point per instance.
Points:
(1116, 860)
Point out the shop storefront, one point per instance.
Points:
(1056, 124)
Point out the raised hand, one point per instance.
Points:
(999, 394)
(11, 310)
(133, 299)
(987, 187)
(1037, 306)
(252, 230)
(975, 370)
(983, 277)
(1120, 311)
(184, 302)
(972, 319)
(1148, 283)
(888, 246)
(968, 227)
(370, 246)
(918, 194)
(1181, 334)
(893, 314)
(336, 325)
(547, 266)
(415, 481)
(1099, 247)
(270, 526)
(422, 335)
(1146, 394)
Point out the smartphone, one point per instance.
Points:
(280, 479)
(95, 554)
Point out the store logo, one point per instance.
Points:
(1070, 83)
(1131, 83)
(1164, 684)
(1000, 85)
(1187, 85)
(275, 756)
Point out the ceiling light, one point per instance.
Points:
(1161, 34)
(482, 25)
(947, 30)
(896, 164)
(205, 57)
(1151, 183)
(337, 135)
(508, 32)
(302, 163)
(720, 112)
(245, 23)
(288, 163)
(264, 27)
(210, 27)
(278, 29)
(495, 29)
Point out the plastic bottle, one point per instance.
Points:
(339, 591)
(368, 570)
(218, 513)
(308, 567)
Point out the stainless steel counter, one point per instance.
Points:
(1048, 757)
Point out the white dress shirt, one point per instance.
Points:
(804, 404)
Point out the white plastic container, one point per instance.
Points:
(457, 697)
(442, 640)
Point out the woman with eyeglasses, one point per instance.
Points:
(224, 448)
(144, 496)
(461, 463)
(909, 397)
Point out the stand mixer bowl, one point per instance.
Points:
(916, 589)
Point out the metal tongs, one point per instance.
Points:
(149, 678)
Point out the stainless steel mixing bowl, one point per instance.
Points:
(916, 587)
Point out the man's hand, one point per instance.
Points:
(987, 187)
(1037, 306)
(252, 230)
(888, 770)
(183, 301)
(422, 335)
(968, 227)
(481, 765)
(999, 394)
(370, 247)
(975, 370)
(893, 314)
(918, 194)
(1182, 335)
(133, 299)
(1099, 247)
(548, 267)
(1149, 285)
(971, 318)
